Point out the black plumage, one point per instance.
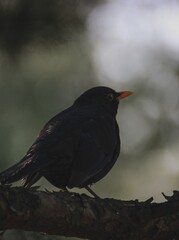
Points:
(77, 147)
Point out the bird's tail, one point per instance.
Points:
(18, 171)
(12, 174)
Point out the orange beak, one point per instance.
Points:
(123, 94)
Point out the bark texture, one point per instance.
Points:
(71, 214)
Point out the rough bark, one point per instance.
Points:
(71, 214)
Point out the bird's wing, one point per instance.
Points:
(43, 152)
(98, 149)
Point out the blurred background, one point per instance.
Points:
(52, 51)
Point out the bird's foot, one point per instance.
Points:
(92, 192)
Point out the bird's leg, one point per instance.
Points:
(92, 192)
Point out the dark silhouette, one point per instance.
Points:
(77, 147)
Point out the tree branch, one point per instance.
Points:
(71, 214)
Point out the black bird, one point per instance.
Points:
(77, 147)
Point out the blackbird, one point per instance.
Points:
(77, 147)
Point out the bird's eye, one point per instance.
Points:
(110, 96)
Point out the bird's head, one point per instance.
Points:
(103, 96)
